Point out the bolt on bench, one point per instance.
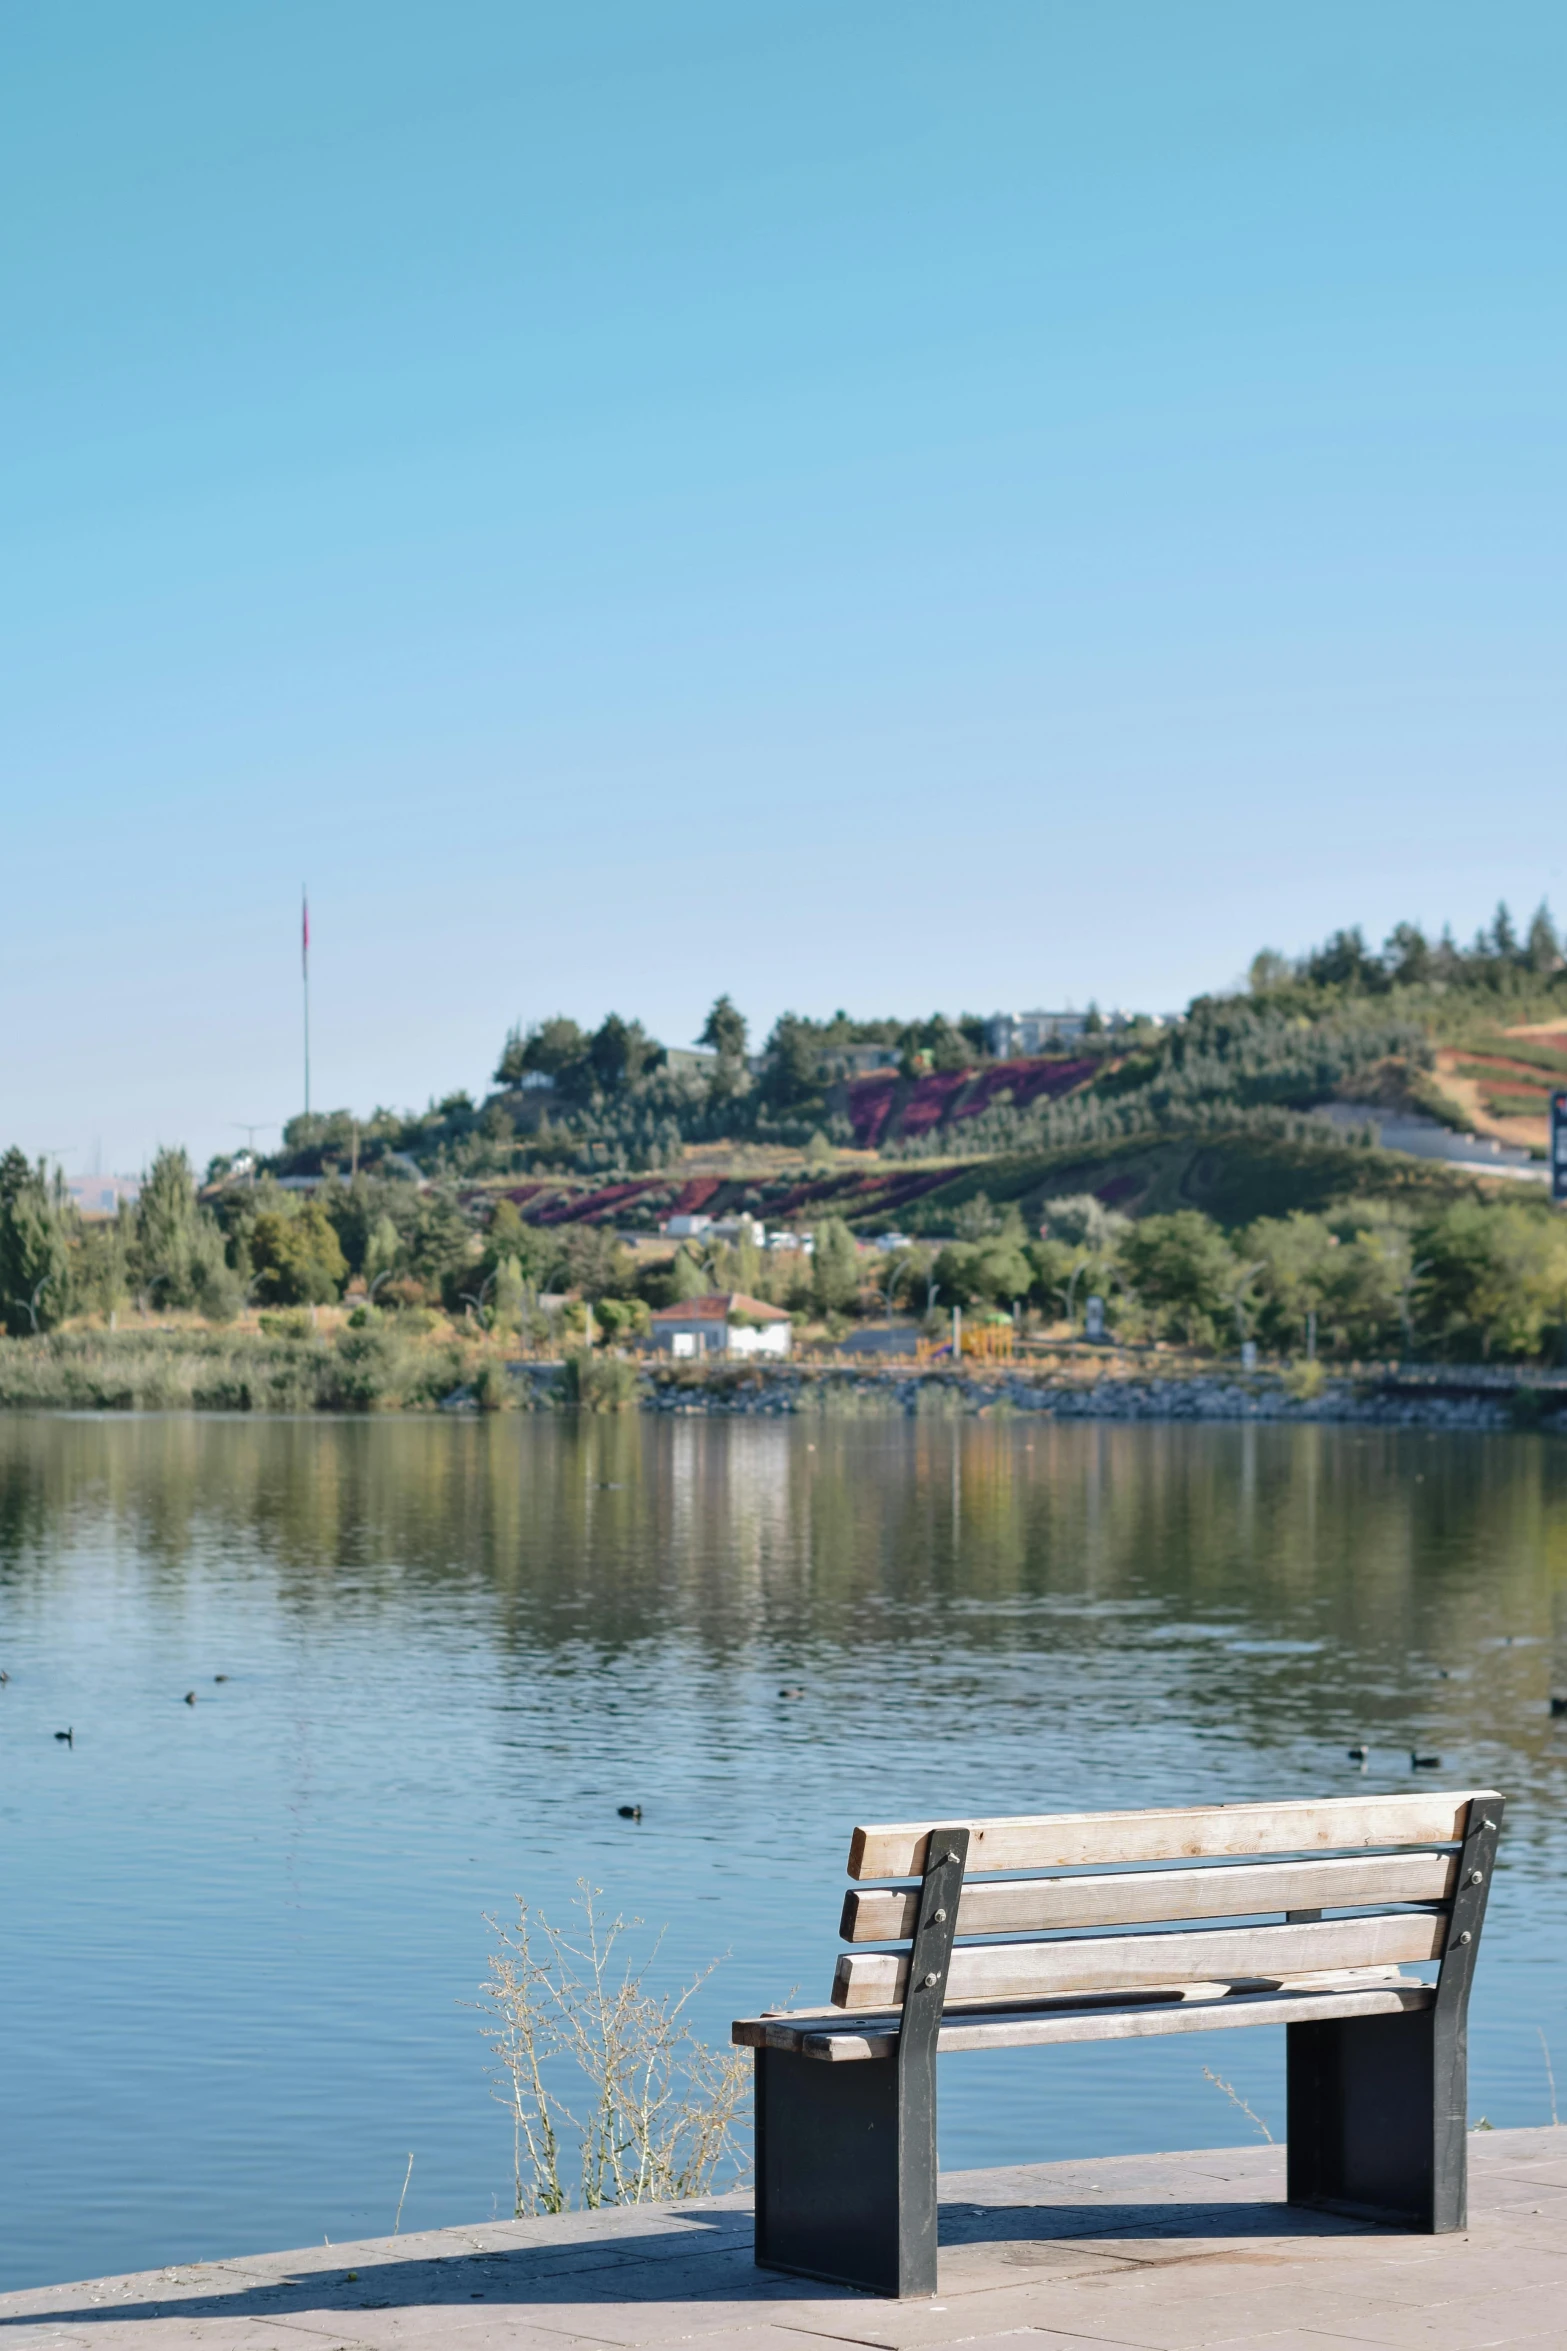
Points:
(1376, 2059)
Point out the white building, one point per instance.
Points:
(725, 1322)
(1013, 1034)
(686, 1228)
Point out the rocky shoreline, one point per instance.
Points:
(1222, 1395)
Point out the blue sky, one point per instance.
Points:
(889, 505)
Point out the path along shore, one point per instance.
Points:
(1161, 2252)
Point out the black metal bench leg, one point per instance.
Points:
(1379, 2105)
(837, 2170)
(846, 2153)
(1377, 2118)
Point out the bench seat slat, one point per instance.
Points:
(1075, 1840)
(1029, 2028)
(1111, 1963)
(886, 1914)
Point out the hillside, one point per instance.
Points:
(886, 1121)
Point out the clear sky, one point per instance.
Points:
(858, 502)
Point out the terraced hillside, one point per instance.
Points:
(1502, 1080)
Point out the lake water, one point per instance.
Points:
(239, 1941)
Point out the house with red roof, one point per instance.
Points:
(723, 1322)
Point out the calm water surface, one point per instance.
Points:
(239, 1940)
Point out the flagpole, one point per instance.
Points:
(304, 973)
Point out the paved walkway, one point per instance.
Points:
(1171, 2252)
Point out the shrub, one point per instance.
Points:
(285, 1326)
(598, 1383)
(661, 2112)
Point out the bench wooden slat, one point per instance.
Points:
(847, 2045)
(1108, 1963)
(1144, 1897)
(1073, 1840)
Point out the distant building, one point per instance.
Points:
(1015, 1035)
(102, 1195)
(1011, 1035)
(685, 1228)
(690, 1061)
(725, 1322)
(887, 1242)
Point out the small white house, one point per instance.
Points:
(686, 1228)
(724, 1322)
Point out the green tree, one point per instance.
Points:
(1542, 948)
(535, 1250)
(177, 1256)
(509, 1298)
(296, 1256)
(724, 1030)
(1407, 956)
(34, 1253)
(382, 1251)
(556, 1049)
(791, 1079)
(597, 1262)
(620, 1052)
(1495, 1279)
(1182, 1270)
(835, 1267)
(439, 1244)
(687, 1278)
(934, 1044)
(99, 1255)
(984, 1273)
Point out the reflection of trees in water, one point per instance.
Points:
(1033, 1563)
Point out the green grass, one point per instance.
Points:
(1232, 1178)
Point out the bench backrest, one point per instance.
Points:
(1280, 1868)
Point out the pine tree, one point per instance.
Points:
(34, 1258)
(1542, 948)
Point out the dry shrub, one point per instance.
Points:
(659, 2114)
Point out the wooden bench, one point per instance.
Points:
(1310, 1911)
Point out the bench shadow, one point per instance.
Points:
(709, 2258)
(1004, 2224)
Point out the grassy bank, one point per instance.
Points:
(196, 1370)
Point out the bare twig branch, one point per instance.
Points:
(1236, 2099)
(663, 2111)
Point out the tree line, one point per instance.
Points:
(1466, 1279)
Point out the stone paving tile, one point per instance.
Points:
(1014, 2311)
(1172, 2253)
(1500, 2316)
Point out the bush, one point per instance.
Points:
(494, 1389)
(285, 1326)
(598, 1383)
